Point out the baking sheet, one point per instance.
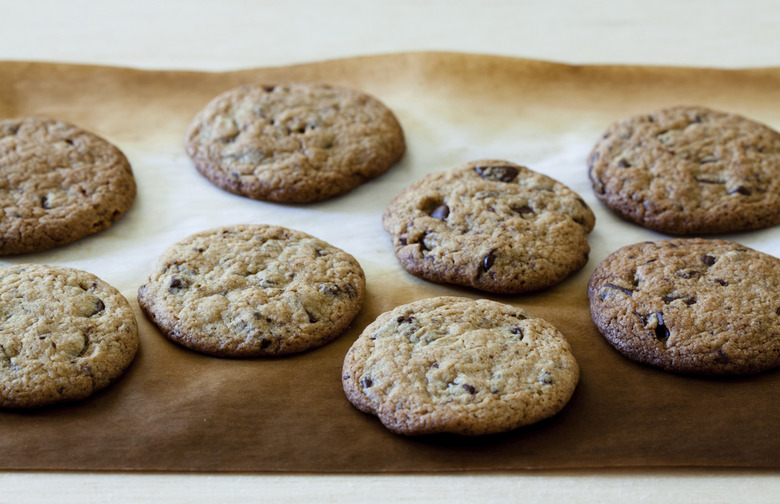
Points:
(176, 410)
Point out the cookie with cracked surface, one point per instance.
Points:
(294, 142)
(253, 290)
(492, 225)
(689, 170)
(461, 366)
(690, 305)
(64, 335)
(59, 183)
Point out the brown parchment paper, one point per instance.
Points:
(176, 410)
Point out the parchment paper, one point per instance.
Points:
(176, 410)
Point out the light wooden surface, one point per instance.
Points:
(232, 34)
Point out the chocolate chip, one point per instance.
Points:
(741, 190)
(488, 260)
(721, 281)
(721, 357)
(708, 259)
(269, 89)
(99, 307)
(405, 319)
(367, 382)
(45, 202)
(518, 331)
(688, 274)
(497, 173)
(689, 300)
(265, 343)
(624, 163)
(469, 388)
(661, 331)
(441, 212)
(523, 210)
(178, 284)
(351, 291)
(778, 311)
(622, 289)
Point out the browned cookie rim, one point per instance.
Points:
(516, 197)
(109, 345)
(91, 173)
(289, 156)
(653, 170)
(543, 376)
(171, 274)
(660, 325)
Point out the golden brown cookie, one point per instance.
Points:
(690, 305)
(294, 142)
(64, 335)
(689, 170)
(460, 366)
(490, 224)
(253, 290)
(58, 183)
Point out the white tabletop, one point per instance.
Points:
(233, 34)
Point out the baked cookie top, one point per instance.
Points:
(58, 183)
(460, 366)
(490, 224)
(294, 142)
(64, 334)
(690, 305)
(253, 290)
(689, 170)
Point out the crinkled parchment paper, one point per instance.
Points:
(176, 410)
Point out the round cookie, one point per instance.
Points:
(459, 366)
(293, 142)
(64, 335)
(492, 225)
(59, 183)
(690, 305)
(253, 290)
(689, 170)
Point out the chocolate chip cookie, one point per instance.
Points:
(492, 225)
(460, 366)
(690, 305)
(253, 290)
(64, 335)
(59, 183)
(294, 142)
(689, 170)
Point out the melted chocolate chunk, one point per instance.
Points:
(441, 212)
(497, 173)
(741, 190)
(178, 284)
(708, 259)
(99, 307)
(469, 388)
(661, 331)
(689, 300)
(523, 210)
(488, 260)
(622, 289)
